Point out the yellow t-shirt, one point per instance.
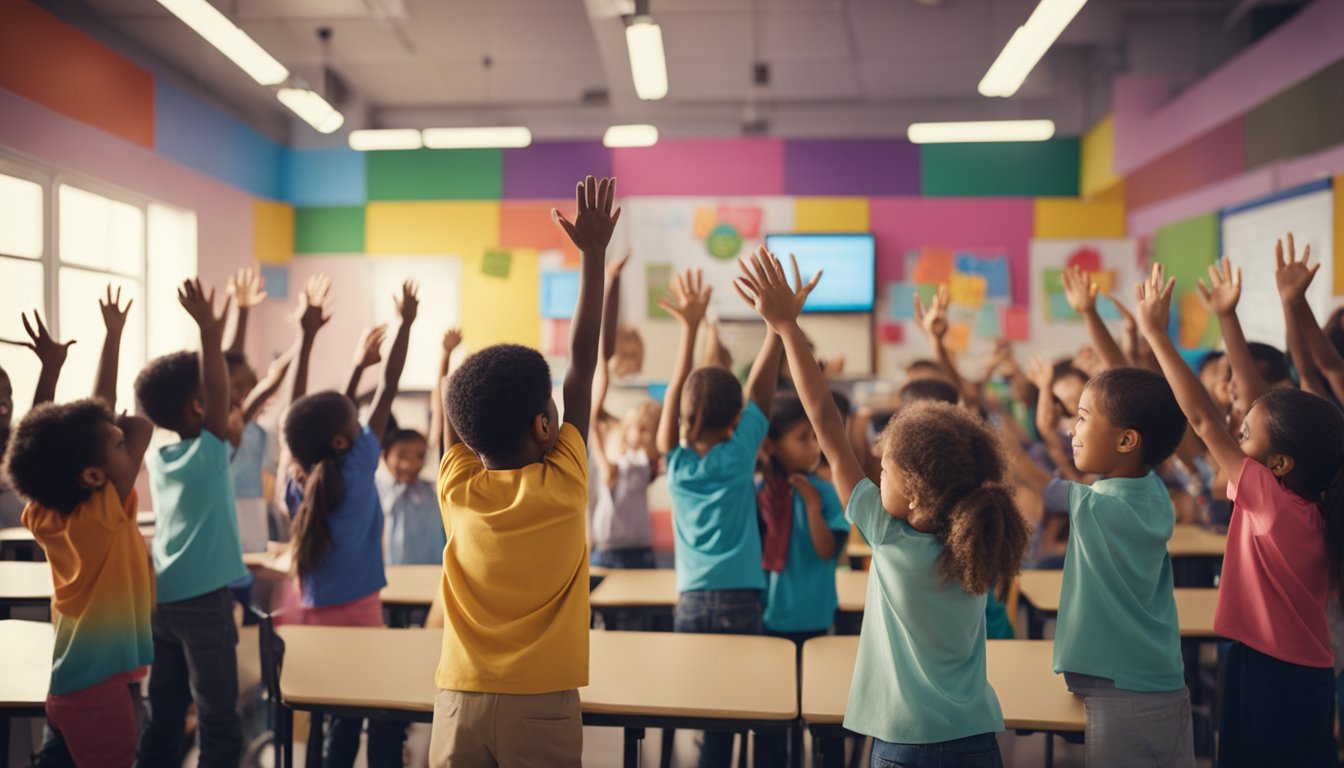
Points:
(515, 572)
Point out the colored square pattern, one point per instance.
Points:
(329, 230)
(435, 174)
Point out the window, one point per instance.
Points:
(63, 240)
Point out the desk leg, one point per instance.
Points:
(665, 747)
(1049, 750)
(284, 736)
(744, 738)
(634, 737)
(314, 757)
(5, 722)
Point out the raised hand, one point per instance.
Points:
(408, 303)
(689, 298)
(594, 219)
(1224, 290)
(615, 266)
(933, 319)
(1039, 374)
(114, 315)
(1125, 315)
(201, 305)
(314, 301)
(1292, 275)
(1153, 297)
(247, 287)
(369, 351)
(452, 339)
(1079, 290)
(765, 289)
(47, 349)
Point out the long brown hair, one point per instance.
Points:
(954, 465)
(310, 427)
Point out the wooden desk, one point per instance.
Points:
(851, 587)
(1041, 591)
(637, 598)
(18, 543)
(724, 682)
(24, 584)
(1032, 696)
(25, 671)
(858, 551)
(1196, 552)
(410, 588)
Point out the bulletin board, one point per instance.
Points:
(1057, 330)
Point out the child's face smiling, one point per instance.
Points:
(405, 460)
(797, 449)
(1099, 446)
(1253, 438)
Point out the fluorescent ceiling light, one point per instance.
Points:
(1027, 45)
(648, 66)
(231, 41)
(477, 138)
(630, 136)
(391, 138)
(997, 130)
(312, 108)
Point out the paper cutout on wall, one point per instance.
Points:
(1016, 323)
(1086, 259)
(901, 301)
(657, 278)
(987, 323)
(958, 337)
(497, 263)
(746, 219)
(994, 269)
(967, 290)
(557, 337)
(890, 333)
(706, 218)
(277, 281)
(725, 228)
(934, 265)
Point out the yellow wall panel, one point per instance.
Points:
(272, 232)
(1097, 169)
(830, 214)
(1068, 217)
(498, 310)
(444, 228)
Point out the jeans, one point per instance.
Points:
(980, 751)
(195, 660)
(341, 742)
(718, 612)
(638, 557)
(773, 747)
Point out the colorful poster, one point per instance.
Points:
(1112, 264)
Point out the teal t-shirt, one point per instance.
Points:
(718, 543)
(196, 545)
(920, 674)
(801, 598)
(1117, 611)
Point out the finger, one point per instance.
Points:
(129, 304)
(797, 276)
(611, 195)
(615, 217)
(1215, 278)
(1306, 255)
(1166, 292)
(1236, 279)
(1204, 293)
(600, 203)
(27, 327)
(669, 307)
(813, 282)
(1138, 292)
(919, 308)
(942, 296)
(749, 298)
(580, 200)
(758, 264)
(563, 223)
(590, 191)
(1292, 249)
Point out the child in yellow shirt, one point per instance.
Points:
(513, 488)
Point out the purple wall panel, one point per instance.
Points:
(851, 167)
(549, 170)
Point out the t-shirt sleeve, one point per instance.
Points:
(364, 453)
(569, 457)
(1253, 495)
(831, 509)
(751, 428)
(867, 513)
(1056, 495)
(457, 465)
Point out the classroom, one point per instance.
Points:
(775, 383)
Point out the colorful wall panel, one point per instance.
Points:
(431, 228)
(203, 138)
(702, 167)
(434, 174)
(851, 167)
(1042, 168)
(551, 169)
(1068, 217)
(323, 177)
(329, 230)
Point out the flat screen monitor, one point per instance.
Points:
(559, 294)
(848, 261)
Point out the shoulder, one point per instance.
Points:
(569, 455)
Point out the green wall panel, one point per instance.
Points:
(1000, 169)
(329, 230)
(435, 174)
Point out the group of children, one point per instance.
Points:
(765, 487)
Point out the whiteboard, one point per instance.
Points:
(1249, 233)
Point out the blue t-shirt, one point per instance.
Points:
(801, 598)
(246, 460)
(919, 677)
(1117, 610)
(412, 520)
(196, 545)
(353, 566)
(718, 543)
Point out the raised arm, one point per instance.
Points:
(367, 354)
(311, 315)
(247, 287)
(590, 232)
(214, 373)
(50, 352)
(933, 321)
(688, 301)
(1293, 277)
(611, 310)
(266, 388)
(1082, 295)
(407, 306)
(1047, 420)
(114, 321)
(440, 431)
(137, 432)
(1153, 311)
(765, 289)
(763, 378)
(1221, 296)
(1129, 342)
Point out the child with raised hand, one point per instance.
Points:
(1284, 549)
(247, 289)
(943, 528)
(338, 530)
(513, 487)
(196, 547)
(77, 465)
(619, 526)
(51, 354)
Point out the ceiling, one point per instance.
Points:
(836, 67)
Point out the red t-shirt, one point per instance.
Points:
(1275, 580)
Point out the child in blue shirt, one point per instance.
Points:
(413, 527)
(337, 531)
(196, 547)
(943, 527)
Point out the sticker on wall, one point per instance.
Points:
(276, 278)
(497, 263)
(724, 228)
(979, 293)
(657, 279)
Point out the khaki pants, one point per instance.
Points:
(501, 730)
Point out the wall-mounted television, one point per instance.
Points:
(849, 262)
(559, 293)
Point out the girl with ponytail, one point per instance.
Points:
(337, 532)
(943, 527)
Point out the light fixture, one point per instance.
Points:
(993, 130)
(509, 137)
(231, 41)
(648, 66)
(1027, 45)
(312, 108)
(388, 138)
(630, 136)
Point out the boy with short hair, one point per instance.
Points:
(513, 488)
(197, 552)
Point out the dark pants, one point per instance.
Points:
(1275, 713)
(718, 612)
(195, 660)
(772, 747)
(342, 742)
(980, 751)
(637, 557)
